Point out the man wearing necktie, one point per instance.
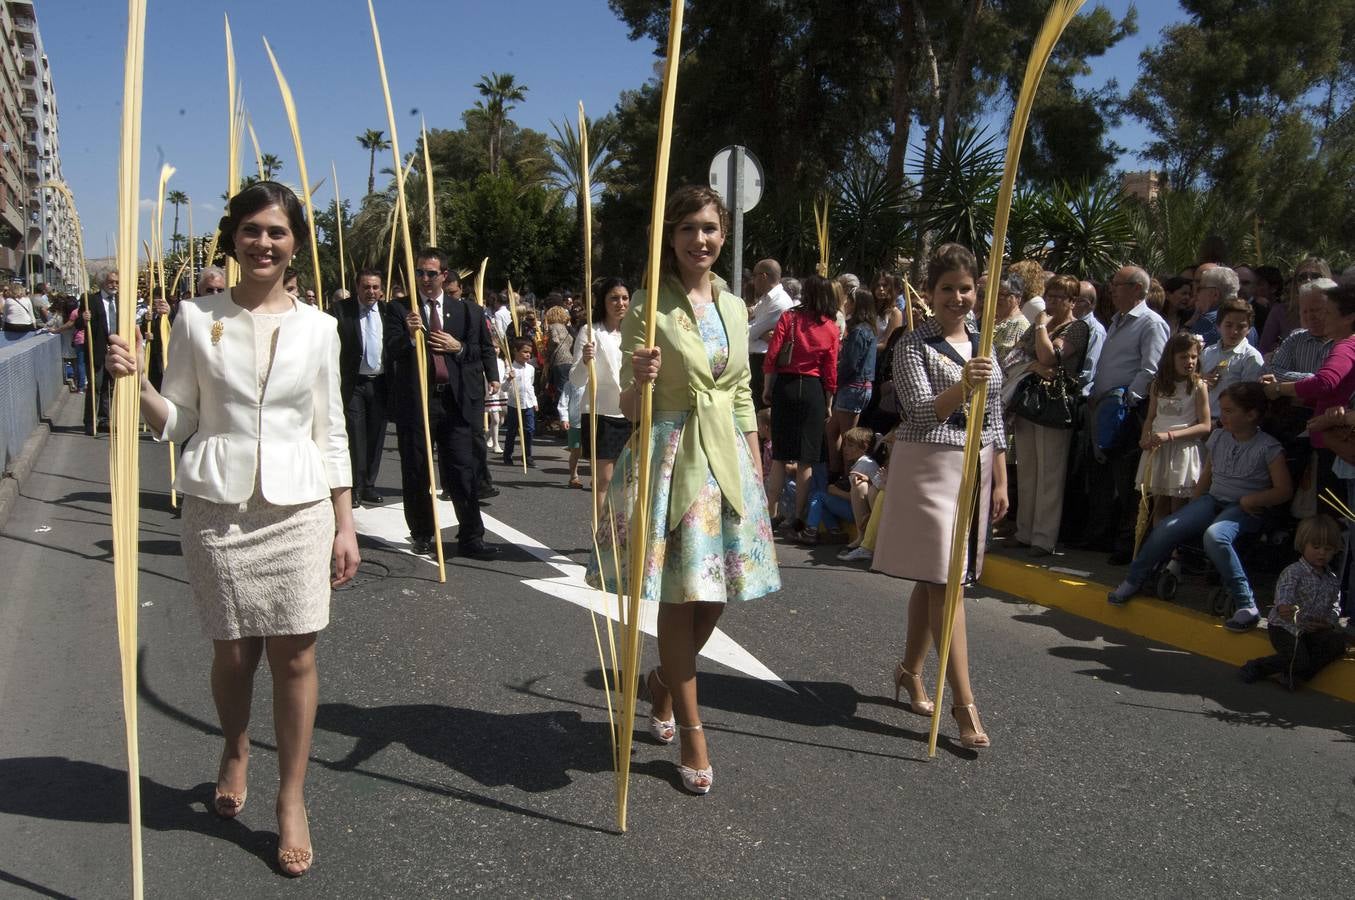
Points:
(103, 318)
(363, 363)
(460, 362)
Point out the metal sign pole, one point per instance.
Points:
(736, 194)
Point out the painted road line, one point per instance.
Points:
(387, 524)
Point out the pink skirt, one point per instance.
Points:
(919, 513)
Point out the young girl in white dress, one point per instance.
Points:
(1177, 423)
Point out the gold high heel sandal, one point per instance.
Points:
(976, 738)
(295, 856)
(917, 692)
(227, 804)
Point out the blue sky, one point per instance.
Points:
(563, 50)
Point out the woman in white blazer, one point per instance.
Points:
(609, 308)
(252, 392)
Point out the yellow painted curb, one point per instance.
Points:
(1155, 620)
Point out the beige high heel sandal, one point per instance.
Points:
(917, 692)
(976, 738)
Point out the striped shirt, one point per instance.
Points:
(1299, 356)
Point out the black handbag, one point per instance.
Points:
(1052, 403)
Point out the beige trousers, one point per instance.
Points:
(1041, 474)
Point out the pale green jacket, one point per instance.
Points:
(721, 408)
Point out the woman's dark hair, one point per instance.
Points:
(1174, 284)
(1249, 395)
(882, 307)
(605, 287)
(682, 203)
(863, 309)
(950, 258)
(260, 195)
(817, 297)
(1272, 276)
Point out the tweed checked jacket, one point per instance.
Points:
(924, 366)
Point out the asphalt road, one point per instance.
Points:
(462, 741)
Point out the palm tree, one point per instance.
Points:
(178, 198)
(373, 140)
(502, 93)
(271, 166)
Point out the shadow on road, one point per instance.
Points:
(813, 704)
(70, 790)
(531, 751)
(1134, 663)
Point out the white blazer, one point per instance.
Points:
(296, 434)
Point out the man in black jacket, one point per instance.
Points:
(460, 362)
(103, 318)
(364, 360)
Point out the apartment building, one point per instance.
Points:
(38, 223)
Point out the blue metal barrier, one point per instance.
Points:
(30, 385)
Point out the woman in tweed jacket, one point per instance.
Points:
(934, 370)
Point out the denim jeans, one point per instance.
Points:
(1221, 523)
(828, 510)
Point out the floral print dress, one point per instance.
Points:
(713, 555)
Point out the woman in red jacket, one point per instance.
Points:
(801, 367)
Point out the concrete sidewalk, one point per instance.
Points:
(1077, 582)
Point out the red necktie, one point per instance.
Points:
(440, 375)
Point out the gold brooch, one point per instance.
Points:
(217, 328)
(683, 319)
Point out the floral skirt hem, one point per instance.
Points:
(713, 555)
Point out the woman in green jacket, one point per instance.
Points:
(709, 533)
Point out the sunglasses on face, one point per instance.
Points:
(216, 290)
(1305, 277)
(428, 273)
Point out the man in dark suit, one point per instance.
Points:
(460, 362)
(364, 361)
(103, 318)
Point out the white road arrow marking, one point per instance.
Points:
(387, 524)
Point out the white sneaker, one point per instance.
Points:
(858, 554)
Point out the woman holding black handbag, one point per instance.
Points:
(1057, 344)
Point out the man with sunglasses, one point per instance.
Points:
(460, 362)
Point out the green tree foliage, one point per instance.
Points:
(515, 216)
(820, 90)
(373, 141)
(1253, 100)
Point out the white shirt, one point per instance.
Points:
(503, 317)
(110, 310)
(369, 325)
(1032, 308)
(766, 311)
(522, 389)
(1242, 363)
(19, 311)
(607, 364)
